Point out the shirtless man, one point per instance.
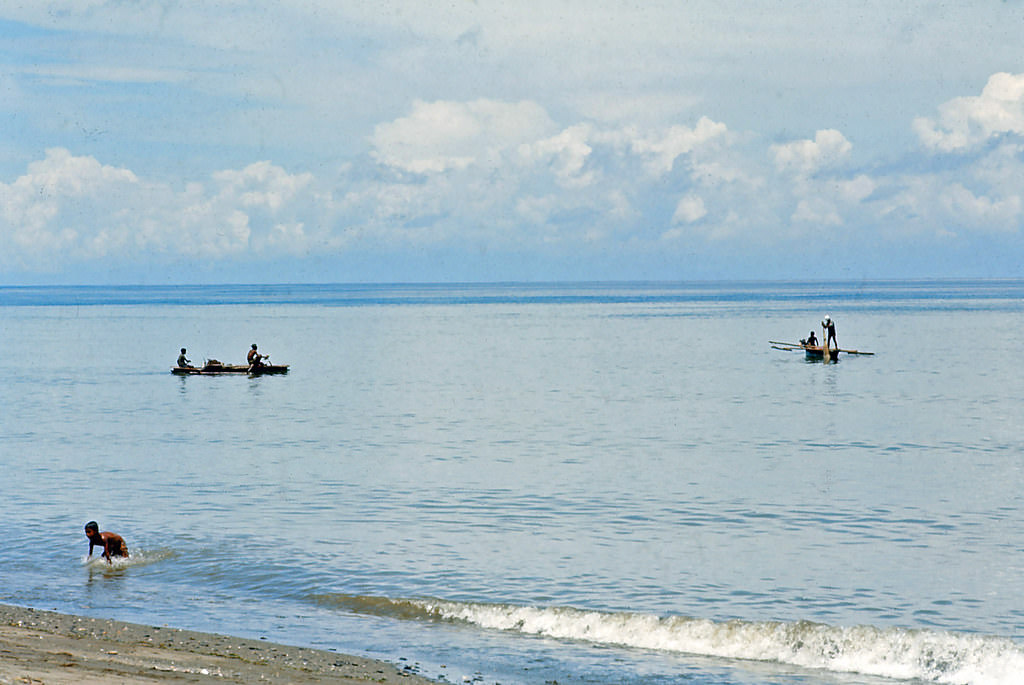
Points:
(254, 358)
(113, 544)
(182, 361)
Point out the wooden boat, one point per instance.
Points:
(814, 352)
(215, 368)
(817, 353)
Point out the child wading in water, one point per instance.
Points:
(113, 544)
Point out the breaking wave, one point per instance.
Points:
(929, 655)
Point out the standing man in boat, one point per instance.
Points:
(828, 327)
(254, 358)
(182, 362)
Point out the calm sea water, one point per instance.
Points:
(518, 484)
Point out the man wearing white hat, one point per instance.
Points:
(829, 327)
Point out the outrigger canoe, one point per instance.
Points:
(816, 352)
(215, 368)
(813, 352)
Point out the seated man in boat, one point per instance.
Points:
(182, 362)
(254, 358)
(812, 340)
(830, 327)
(113, 544)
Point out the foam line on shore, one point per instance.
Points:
(928, 655)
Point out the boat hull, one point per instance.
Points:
(224, 369)
(817, 353)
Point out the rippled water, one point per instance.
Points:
(608, 483)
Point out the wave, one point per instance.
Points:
(929, 655)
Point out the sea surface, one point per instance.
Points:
(534, 483)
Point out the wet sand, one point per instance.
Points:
(45, 647)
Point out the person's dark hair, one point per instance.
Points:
(92, 525)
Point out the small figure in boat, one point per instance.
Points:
(113, 544)
(812, 340)
(830, 327)
(182, 362)
(254, 358)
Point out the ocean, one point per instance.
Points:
(534, 483)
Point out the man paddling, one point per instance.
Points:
(113, 544)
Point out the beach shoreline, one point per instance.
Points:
(38, 646)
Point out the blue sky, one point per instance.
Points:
(229, 141)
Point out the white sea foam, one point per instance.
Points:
(135, 558)
(933, 656)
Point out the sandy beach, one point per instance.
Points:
(46, 647)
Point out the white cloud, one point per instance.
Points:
(806, 157)
(980, 210)
(691, 208)
(856, 189)
(68, 207)
(491, 175)
(439, 136)
(566, 153)
(262, 185)
(661, 152)
(49, 207)
(966, 122)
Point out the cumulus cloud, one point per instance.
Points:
(439, 136)
(58, 202)
(806, 157)
(979, 210)
(490, 163)
(68, 207)
(566, 153)
(490, 175)
(262, 185)
(691, 208)
(966, 122)
(662, 151)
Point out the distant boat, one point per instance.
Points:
(817, 352)
(215, 368)
(813, 352)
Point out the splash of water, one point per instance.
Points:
(136, 558)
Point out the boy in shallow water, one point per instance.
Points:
(113, 544)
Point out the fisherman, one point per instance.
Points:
(113, 544)
(182, 362)
(254, 358)
(828, 327)
(812, 340)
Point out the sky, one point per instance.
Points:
(226, 141)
